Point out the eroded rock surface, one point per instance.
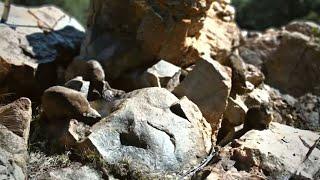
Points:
(142, 136)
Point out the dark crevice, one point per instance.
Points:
(177, 110)
(27, 53)
(131, 139)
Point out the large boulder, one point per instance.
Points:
(34, 36)
(281, 152)
(140, 138)
(208, 85)
(126, 35)
(294, 66)
(288, 57)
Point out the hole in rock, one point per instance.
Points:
(131, 139)
(177, 110)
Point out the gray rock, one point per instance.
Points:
(282, 152)
(13, 155)
(78, 84)
(308, 107)
(152, 134)
(74, 173)
(257, 97)
(208, 85)
(17, 116)
(163, 74)
(61, 103)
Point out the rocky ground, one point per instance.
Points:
(161, 89)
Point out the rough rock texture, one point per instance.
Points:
(126, 35)
(302, 113)
(61, 103)
(295, 61)
(13, 155)
(287, 57)
(17, 117)
(208, 85)
(81, 173)
(282, 152)
(141, 136)
(33, 36)
(308, 109)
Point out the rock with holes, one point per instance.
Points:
(281, 152)
(152, 134)
(34, 36)
(61, 103)
(13, 155)
(208, 85)
(17, 116)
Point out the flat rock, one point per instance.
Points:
(141, 135)
(282, 152)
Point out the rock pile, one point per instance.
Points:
(196, 100)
